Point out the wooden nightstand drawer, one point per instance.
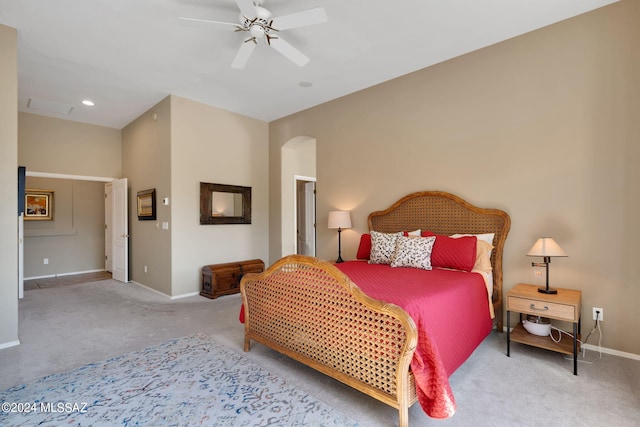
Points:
(542, 308)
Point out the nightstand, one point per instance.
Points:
(565, 305)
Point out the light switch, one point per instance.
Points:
(165, 225)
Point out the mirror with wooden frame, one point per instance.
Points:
(224, 204)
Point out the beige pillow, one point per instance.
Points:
(483, 257)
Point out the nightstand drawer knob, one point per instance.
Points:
(533, 307)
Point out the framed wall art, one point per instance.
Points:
(38, 205)
(147, 205)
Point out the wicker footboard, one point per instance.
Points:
(310, 311)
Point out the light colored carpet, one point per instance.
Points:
(190, 381)
(66, 327)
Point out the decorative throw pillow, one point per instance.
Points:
(458, 253)
(382, 247)
(413, 252)
(364, 249)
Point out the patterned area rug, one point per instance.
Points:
(191, 381)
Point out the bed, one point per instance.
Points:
(356, 322)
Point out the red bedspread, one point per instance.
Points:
(450, 310)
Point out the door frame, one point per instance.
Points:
(21, 256)
(62, 176)
(296, 179)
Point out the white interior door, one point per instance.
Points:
(108, 227)
(120, 234)
(301, 232)
(306, 218)
(310, 217)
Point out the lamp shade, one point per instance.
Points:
(546, 247)
(339, 219)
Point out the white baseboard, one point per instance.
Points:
(49, 276)
(192, 294)
(612, 351)
(155, 291)
(165, 295)
(602, 349)
(9, 344)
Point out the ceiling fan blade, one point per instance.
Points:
(209, 24)
(316, 15)
(288, 51)
(243, 54)
(247, 8)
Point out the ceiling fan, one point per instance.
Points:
(263, 27)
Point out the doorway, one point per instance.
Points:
(305, 208)
(122, 208)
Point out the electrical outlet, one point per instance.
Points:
(599, 314)
(537, 273)
(45, 261)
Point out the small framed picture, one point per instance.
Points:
(38, 205)
(147, 205)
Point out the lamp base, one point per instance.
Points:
(339, 260)
(547, 291)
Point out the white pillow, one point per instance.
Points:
(417, 232)
(413, 252)
(382, 247)
(487, 237)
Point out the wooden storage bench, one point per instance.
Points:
(224, 279)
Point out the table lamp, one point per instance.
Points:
(546, 247)
(339, 220)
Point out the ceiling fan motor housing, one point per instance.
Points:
(258, 26)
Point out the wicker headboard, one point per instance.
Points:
(445, 213)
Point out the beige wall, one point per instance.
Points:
(53, 145)
(216, 146)
(8, 187)
(207, 144)
(146, 163)
(73, 241)
(173, 147)
(544, 126)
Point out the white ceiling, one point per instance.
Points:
(126, 55)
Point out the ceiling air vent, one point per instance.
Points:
(49, 107)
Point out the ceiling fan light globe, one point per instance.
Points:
(257, 31)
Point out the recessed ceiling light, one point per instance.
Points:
(305, 84)
(88, 103)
